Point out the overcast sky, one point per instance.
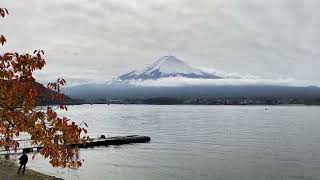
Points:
(96, 40)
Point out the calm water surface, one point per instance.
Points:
(199, 142)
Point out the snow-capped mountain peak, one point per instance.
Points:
(170, 65)
(167, 66)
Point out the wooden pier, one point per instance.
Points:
(102, 141)
(119, 140)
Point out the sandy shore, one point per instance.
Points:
(8, 171)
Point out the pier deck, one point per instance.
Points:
(102, 141)
(119, 140)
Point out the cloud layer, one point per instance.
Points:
(180, 81)
(89, 41)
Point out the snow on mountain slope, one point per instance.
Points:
(167, 66)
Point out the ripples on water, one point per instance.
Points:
(199, 142)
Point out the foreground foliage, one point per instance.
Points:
(19, 112)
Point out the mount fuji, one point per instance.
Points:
(171, 77)
(165, 67)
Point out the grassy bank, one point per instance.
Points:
(8, 171)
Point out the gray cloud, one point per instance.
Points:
(180, 81)
(96, 40)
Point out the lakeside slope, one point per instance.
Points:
(8, 171)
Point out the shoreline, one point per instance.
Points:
(8, 171)
(248, 105)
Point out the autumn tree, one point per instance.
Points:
(19, 112)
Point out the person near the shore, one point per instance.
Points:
(23, 162)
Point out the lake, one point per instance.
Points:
(198, 142)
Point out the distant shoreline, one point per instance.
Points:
(202, 101)
(77, 104)
(196, 101)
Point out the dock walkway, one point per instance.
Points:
(102, 141)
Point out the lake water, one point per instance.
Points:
(199, 142)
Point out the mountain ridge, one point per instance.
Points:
(167, 66)
(171, 77)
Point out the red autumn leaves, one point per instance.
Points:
(20, 113)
